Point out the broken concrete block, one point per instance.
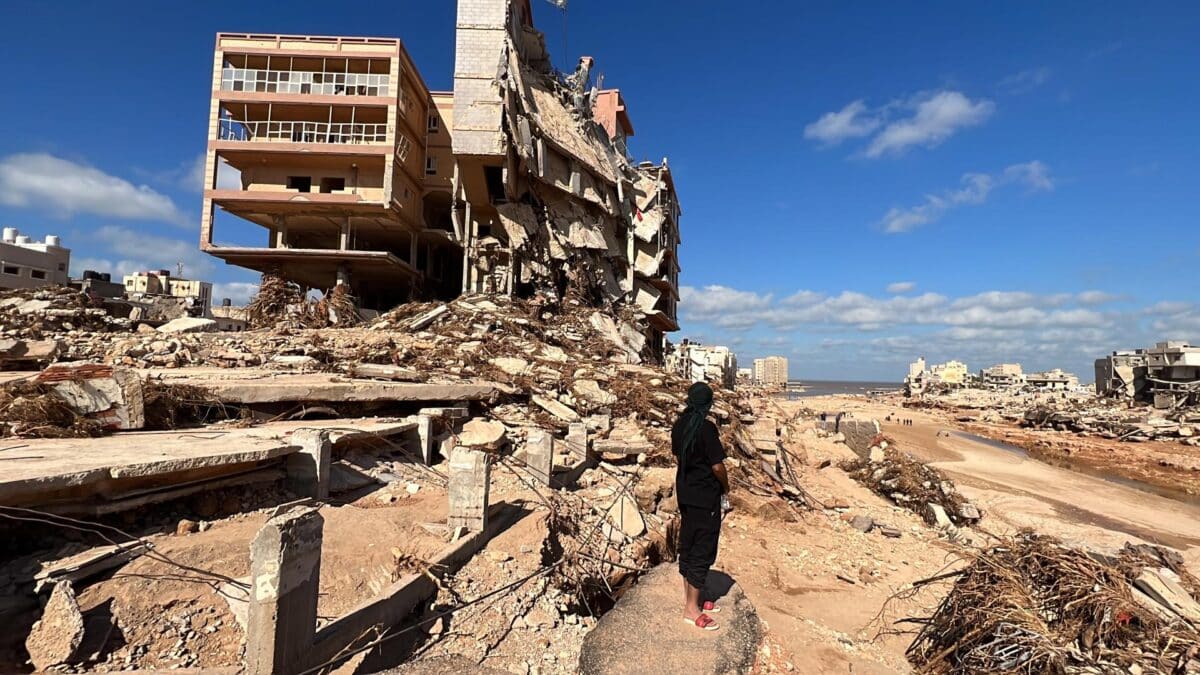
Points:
(590, 390)
(189, 324)
(382, 372)
(427, 318)
(969, 512)
(57, 635)
(625, 515)
(510, 364)
(28, 351)
(483, 434)
(468, 484)
(110, 395)
(559, 410)
(937, 516)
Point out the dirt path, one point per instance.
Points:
(1018, 491)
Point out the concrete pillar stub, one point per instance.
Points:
(539, 454)
(469, 481)
(577, 440)
(308, 470)
(285, 572)
(425, 437)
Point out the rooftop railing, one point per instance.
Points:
(304, 82)
(302, 132)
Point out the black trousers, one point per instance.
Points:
(699, 534)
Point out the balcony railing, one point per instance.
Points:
(304, 82)
(302, 132)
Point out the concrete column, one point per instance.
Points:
(425, 436)
(577, 440)
(280, 231)
(469, 481)
(343, 274)
(285, 571)
(344, 238)
(308, 470)
(412, 249)
(539, 454)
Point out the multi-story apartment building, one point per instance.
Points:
(1002, 375)
(953, 373)
(328, 135)
(771, 371)
(353, 172)
(25, 263)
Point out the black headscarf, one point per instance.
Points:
(699, 402)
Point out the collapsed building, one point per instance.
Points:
(1167, 375)
(516, 183)
(703, 363)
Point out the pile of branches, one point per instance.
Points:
(171, 406)
(277, 300)
(912, 484)
(33, 410)
(1033, 605)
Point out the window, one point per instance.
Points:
(433, 122)
(403, 146)
(331, 184)
(37, 274)
(300, 183)
(62, 267)
(431, 166)
(12, 269)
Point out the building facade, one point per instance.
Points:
(1002, 376)
(952, 373)
(1053, 380)
(771, 371)
(197, 294)
(715, 364)
(351, 171)
(25, 263)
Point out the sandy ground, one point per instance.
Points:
(1018, 491)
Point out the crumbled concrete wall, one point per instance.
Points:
(860, 434)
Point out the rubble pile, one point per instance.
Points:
(1118, 423)
(1033, 605)
(914, 485)
(35, 313)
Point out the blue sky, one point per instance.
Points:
(862, 183)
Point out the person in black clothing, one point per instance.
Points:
(700, 487)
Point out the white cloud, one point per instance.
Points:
(852, 121)
(1041, 330)
(899, 287)
(238, 291)
(975, 189)
(39, 180)
(926, 119)
(935, 117)
(1026, 80)
(130, 250)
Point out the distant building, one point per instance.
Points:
(702, 363)
(1122, 373)
(771, 371)
(953, 373)
(1053, 380)
(917, 368)
(98, 284)
(745, 375)
(1173, 372)
(160, 283)
(230, 318)
(1002, 376)
(25, 263)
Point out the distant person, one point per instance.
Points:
(701, 486)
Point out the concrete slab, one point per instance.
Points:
(40, 471)
(252, 386)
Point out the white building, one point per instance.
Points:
(702, 363)
(25, 263)
(772, 370)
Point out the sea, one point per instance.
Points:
(832, 387)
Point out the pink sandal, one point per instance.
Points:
(703, 622)
(710, 607)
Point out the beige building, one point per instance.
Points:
(1053, 380)
(953, 373)
(353, 172)
(771, 371)
(25, 263)
(715, 364)
(1002, 375)
(161, 283)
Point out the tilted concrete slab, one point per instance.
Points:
(246, 386)
(37, 471)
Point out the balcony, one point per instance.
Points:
(304, 82)
(275, 131)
